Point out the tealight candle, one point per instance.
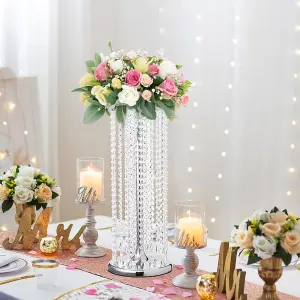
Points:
(206, 287)
(48, 245)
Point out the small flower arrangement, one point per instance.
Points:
(26, 185)
(135, 80)
(268, 234)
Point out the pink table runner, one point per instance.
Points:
(98, 266)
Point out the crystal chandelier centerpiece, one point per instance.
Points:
(139, 177)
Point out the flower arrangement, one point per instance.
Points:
(26, 185)
(135, 80)
(268, 234)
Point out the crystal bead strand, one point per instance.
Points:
(120, 179)
(130, 151)
(113, 184)
(165, 182)
(158, 182)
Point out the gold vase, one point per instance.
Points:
(19, 211)
(270, 270)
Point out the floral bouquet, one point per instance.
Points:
(26, 185)
(134, 80)
(269, 234)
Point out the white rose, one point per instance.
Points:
(264, 247)
(22, 195)
(6, 175)
(117, 66)
(167, 68)
(106, 58)
(26, 182)
(56, 189)
(113, 55)
(260, 216)
(26, 171)
(129, 95)
(131, 54)
(3, 192)
(243, 225)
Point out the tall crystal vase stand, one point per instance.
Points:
(90, 236)
(139, 195)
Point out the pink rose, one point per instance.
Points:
(271, 229)
(184, 99)
(168, 86)
(153, 70)
(101, 72)
(133, 77)
(146, 95)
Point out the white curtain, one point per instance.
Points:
(235, 147)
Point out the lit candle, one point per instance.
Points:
(191, 232)
(48, 245)
(91, 178)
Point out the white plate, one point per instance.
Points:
(14, 266)
(244, 260)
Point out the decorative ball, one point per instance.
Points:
(207, 286)
(48, 245)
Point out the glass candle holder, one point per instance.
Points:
(90, 179)
(48, 245)
(45, 272)
(207, 286)
(190, 234)
(190, 230)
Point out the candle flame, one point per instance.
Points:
(90, 169)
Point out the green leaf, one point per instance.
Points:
(253, 258)
(281, 253)
(110, 46)
(97, 59)
(298, 255)
(54, 195)
(274, 210)
(112, 97)
(169, 111)
(178, 67)
(44, 205)
(90, 63)
(120, 114)
(79, 90)
(107, 112)
(93, 101)
(157, 81)
(128, 63)
(148, 110)
(38, 206)
(6, 205)
(93, 113)
(285, 211)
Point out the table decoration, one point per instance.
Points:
(90, 178)
(48, 245)
(190, 234)
(139, 92)
(269, 237)
(206, 286)
(230, 281)
(62, 236)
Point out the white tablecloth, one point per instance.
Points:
(68, 280)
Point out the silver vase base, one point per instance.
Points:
(139, 273)
(185, 281)
(90, 251)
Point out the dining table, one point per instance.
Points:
(69, 280)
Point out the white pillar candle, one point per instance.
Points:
(92, 179)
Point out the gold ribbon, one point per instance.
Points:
(16, 279)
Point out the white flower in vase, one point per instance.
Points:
(167, 68)
(26, 182)
(26, 171)
(117, 66)
(264, 247)
(129, 95)
(22, 195)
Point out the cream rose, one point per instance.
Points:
(3, 192)
(26, 182)
(146, 80)
(291, 242)
(100, 92)
(88, 79)
(116, 83)
(129, 95)
(264, 247)
(271, 229)
(244, 239)
(43, 193)
(278, 217)
(141, 64)
(22, 195)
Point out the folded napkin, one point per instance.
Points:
(7, 259)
